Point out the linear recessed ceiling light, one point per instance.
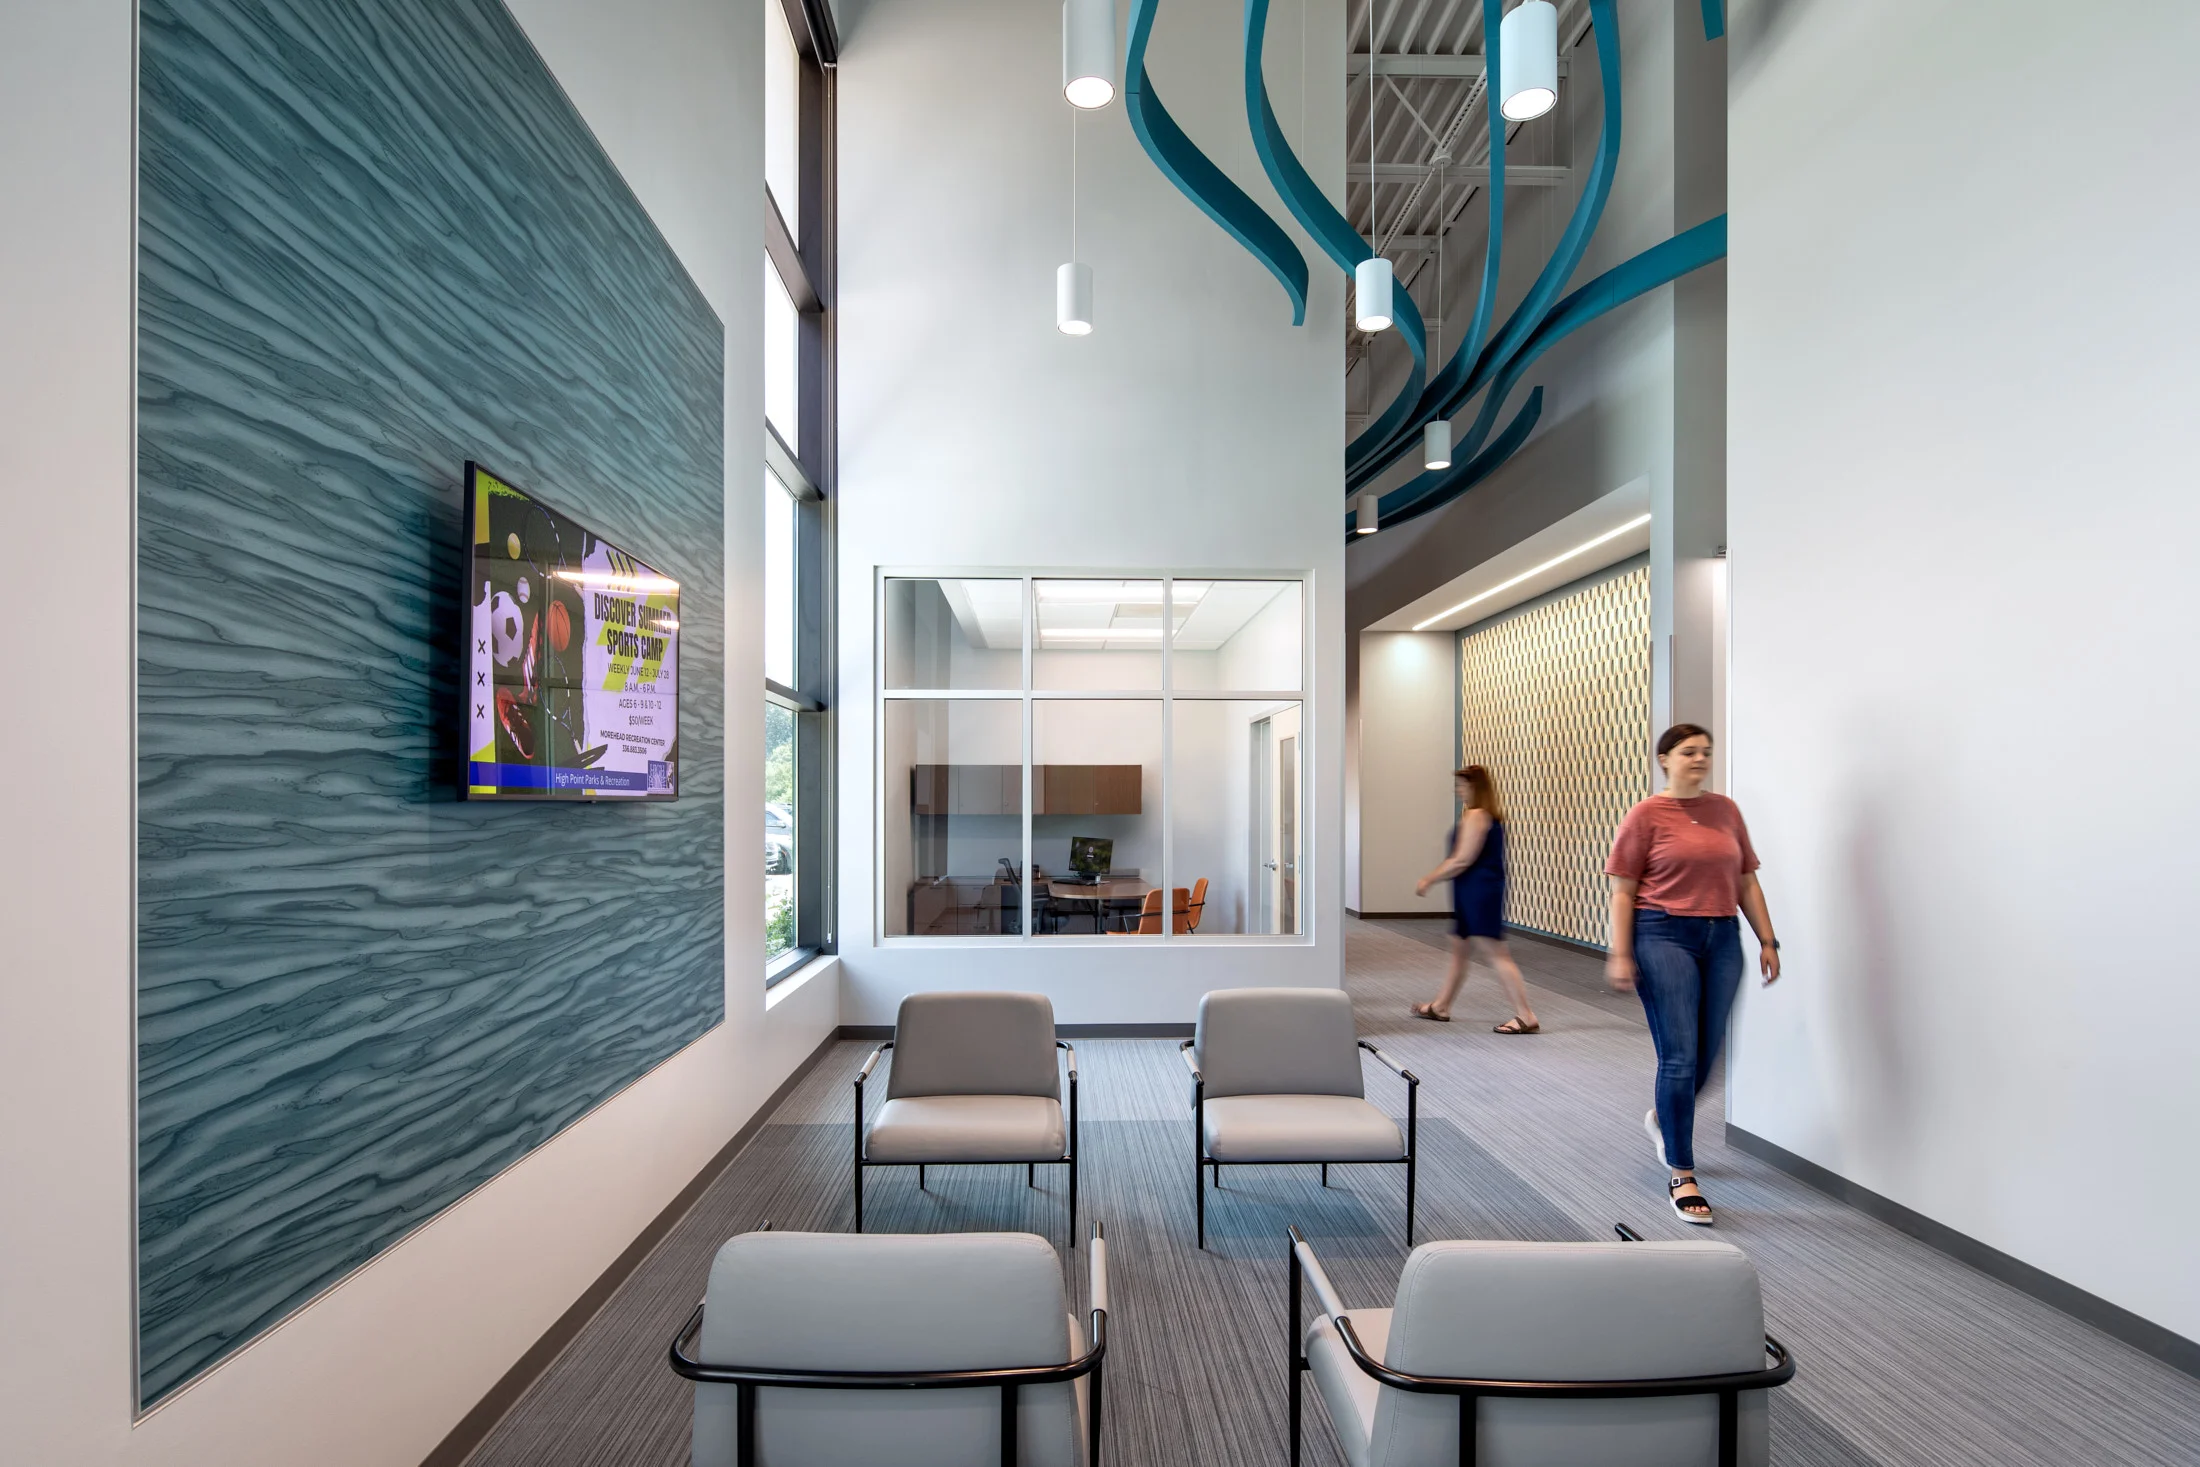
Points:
(1099, 634)
(1112, 593)
(1528, 575)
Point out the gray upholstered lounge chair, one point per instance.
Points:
(973, 1080)
(942, 1350)
(1276, 1078)
(1626, 1354)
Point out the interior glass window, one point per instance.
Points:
(954, 633)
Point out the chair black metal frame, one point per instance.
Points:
(1202, 1160)
(1031, 1168)
(1727, 1386)
(1009, 1380)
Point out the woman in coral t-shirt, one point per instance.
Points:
(1680, 866)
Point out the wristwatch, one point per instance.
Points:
(1774, 944)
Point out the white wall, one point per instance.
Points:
(1195, 430)
(1408, 744)
(1965, 336)
(379, 1369)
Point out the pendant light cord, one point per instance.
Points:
(1373, 59)
(1073, 183)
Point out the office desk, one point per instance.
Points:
(1113, 889)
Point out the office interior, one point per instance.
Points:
(1129, 455)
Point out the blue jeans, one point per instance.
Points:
(1688, 970)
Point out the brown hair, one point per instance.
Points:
(1482, 787)
(1678, 734)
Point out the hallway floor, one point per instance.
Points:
(1906, 1356)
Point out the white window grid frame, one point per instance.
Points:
(1309, 811)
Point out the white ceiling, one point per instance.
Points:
(1600, 533)
(1107, 616)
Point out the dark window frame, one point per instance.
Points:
(808, 469)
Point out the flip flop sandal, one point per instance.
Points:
(1699, 1213)
(1423, 1011)
(1514, 1026)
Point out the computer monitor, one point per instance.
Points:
(1090, 856)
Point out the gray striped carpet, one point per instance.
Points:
(1906, 1356)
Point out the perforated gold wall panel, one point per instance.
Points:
(1556, 701)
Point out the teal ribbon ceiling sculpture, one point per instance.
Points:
(1379, 436)
(1661, 264)
(1320, 219)
(1460, 381)
(1492, 368)
(1534, 326)
(1196, 176)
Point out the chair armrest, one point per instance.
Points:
(1099, 1251)
(1325, 1292)
(1064, 1044)
(872, 1063)
(1185, 1049)
(1725, 1384)
(1400, 1070)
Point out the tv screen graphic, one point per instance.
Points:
(573, 657)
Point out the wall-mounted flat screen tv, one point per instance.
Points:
(573, 655)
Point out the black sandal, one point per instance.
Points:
(1514, 1026)
(1700, 1212)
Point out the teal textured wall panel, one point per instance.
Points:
(377, 241)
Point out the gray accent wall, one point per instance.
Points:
(377, 240)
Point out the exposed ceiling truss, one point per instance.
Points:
(1415, 165)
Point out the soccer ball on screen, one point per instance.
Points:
(508, 636)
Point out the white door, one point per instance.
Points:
(1276, 823)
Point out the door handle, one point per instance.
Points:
(1267, 865)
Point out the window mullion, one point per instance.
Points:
(1168, 757)
(787, 697)
(787, 466)
(786, 258)
(1030, 638)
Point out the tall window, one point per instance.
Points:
(1105, 758)
(797, 482)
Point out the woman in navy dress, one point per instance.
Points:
(1476, 870)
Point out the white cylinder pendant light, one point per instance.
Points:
(1367, 514)
(1436, 445)
(1073, 299)
(1527, 54)
(1371, 294)
(1073, 281)
(1088, 52)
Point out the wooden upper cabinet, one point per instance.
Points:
(966, 789)
(1056, 789)
(986, 789)
(1088, 789)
